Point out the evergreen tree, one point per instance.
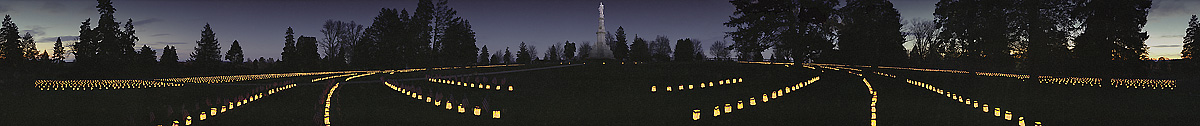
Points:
(208, 50)
(146, 56)
(523, 55)
(620, 48)
(1112, 35)
(569, 51)
(483, 55)
(458, 43)
(169, 56)
(234, 55)
(30, 48)
(87, 46)
(871, 32)
(508, 56)
(1046, 26)
(1190, 49)
(639, 51)
(553, 53)
(417, 50)
(683, 50)
(59, 51)
(306, 53)
(11, 48)
(289, 46)
(496, 57)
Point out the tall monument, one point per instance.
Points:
(600, 48)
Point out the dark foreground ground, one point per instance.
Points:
(615, 94)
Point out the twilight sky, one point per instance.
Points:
(259, 24)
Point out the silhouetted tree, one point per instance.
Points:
(59, 51)
(554, 54)
(1112, 32)
(146, 56)
(569, 51)
(698, 50)
(1043, 28)
(31, 51)
(763, 24)
(169, 56)
(639, 51)
(11, 49)
(585, 50)
(719, 50)
(976, 31)
(523, 55)
(234, 55)
(684, 50)
(484, 56)
(871, 33)
(533, 53)
(289, 47)
(339, 37)
(418, 50)
(1190, 49)
(620, 47)
(208, 50)
(923, 31)
(497, 58)
(306, 53)
(660, 49)
(458, 43)
(86, 48)
(507, 56)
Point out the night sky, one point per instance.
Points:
(259, 24)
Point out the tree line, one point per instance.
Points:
(1035, 36)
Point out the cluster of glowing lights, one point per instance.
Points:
(483, 66)
(1018, 76)
(328, 99)
(356, 76)
(496, 87)
(331, 77)
(231, 104)
(702, 85)
(449, 106)
(729, 107)
(874, 99)
(76, 85)
(1116, 83)
(236, 78)
(1007, 115)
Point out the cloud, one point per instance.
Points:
(146, 21)
(1172, 8)
(1171, 36)
(165, 43)
(1167, 46)
(5, 9)
(156, 35)
(53, 7)
(52, 39)
(33, 30)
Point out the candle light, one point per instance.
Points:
(510, 88)
(461, 109)
(1007, 115)
(496, 114)
(997, 112)
(477, 111)
(985, 108)
(695, 114)
(653, 89)
(752, 103)
(203, 116)
(764, 99)
(187, 121)
(728, 108)
(716, 111)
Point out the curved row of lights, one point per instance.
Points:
(212, 112)
(1155, 84)
(328, 99)
(356, 76)
(76, 85)
(874, 99)
(236, 78)
(497, 87)
(331, 77)
(654, 88)
(1007, 115)
(482, 66)
(449, 105)
(727, 108)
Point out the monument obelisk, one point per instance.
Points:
(600, 48)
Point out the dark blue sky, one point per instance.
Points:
(259, 24)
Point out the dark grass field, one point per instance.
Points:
(615, 94)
